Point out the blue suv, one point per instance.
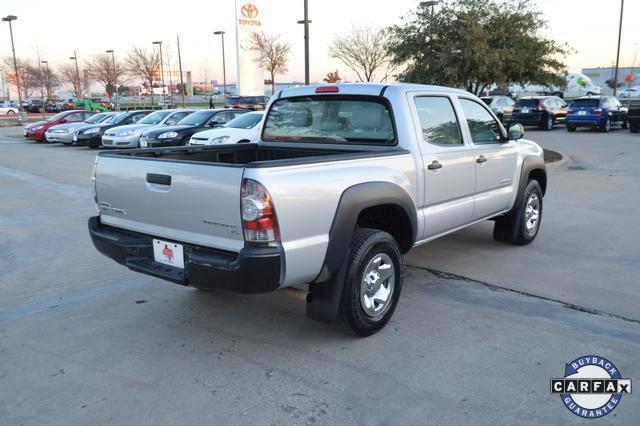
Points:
(599, 112)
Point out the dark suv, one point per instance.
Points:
(541, 111)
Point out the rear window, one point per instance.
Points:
(487, 100)
(330, 119)
(586, 103)
(527, 103)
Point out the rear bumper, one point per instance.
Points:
(253, 270)
(585, 121)
(93, 140)
(528, 119)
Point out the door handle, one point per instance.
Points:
(159, 179)
(435, 165)
(481, 159)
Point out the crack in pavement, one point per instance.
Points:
(449, 276)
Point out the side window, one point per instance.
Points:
(87, 115)
(484, 129)
(76, 116)
(137, 117)
(438, 121)
(175, 118)
(219, 119)
(230, 115)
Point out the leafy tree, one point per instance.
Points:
(475, 43)
(274, 55)
(363, 50)
(610, 84)
(332, 77)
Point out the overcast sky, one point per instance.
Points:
(59, 27)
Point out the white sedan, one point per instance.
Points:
(629, 92)
(8, 109)
(242, 129)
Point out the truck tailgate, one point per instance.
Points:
(189, 202)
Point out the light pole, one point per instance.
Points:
(182, 87)
(47, 79)
(306, 23)
(8, 19)
(224, 71)
(159, 43)
(615, 76)
(115, 83)
(430, 3)
(79, 84)
(4, 93)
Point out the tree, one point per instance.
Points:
(332, 77)
(274, 54)
(144, 64)
(101, 68)
(363, 50)
(69, 77)
(45, 77)
(24, 76)
(610, 84)
(476, 43)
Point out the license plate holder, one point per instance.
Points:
(168, 253)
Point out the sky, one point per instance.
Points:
(58, 28)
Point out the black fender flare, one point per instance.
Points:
(529, 164)
(325, 291)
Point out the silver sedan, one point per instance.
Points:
(128, 136)
(63, 133)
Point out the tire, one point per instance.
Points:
(625, 123)
(606, 126)
(517, 226)
(371, 252)
(634, 127)
(571, 128)
(11, 112)
(548, 125)
(501, 118)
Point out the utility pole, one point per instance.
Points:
(4, 93)
(159, 43)
(306, 23)
(47, 79)
(182, 88)
(224, 71)
(115, 82)
(170, 76)
(78, 82)
(615, 76)
(8, 19)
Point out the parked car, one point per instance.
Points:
(91, 136)
(633, 116)
(181, 133)
(502, 106)
(9, 108)
(129, 136)
(36, 131)
(599, 112)
(541, 111)
(32, 105)
(333, 193)
(242, 129)
(629, 92)
(63, 133)
(254, 103)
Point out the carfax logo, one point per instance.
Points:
(592, 387)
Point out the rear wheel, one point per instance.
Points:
(11, 112)
(635, 127)
(625, 123)
(373, 282)
(606, 126)
(548, 125)
(521, 226)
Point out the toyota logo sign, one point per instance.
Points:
(249, 11)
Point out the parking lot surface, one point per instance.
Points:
(480, 330)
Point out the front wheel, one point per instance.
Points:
(11, 112)
(373, 282)
(521, 226)
(625, 123)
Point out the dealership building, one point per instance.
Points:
(600, 75)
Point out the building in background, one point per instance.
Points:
(600, 75)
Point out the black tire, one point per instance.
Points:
(11, 112)
(367, 244)
(625, 123)
(634, 127)
(512, 227)
(571, 128)
(606, 126)
(549, 122)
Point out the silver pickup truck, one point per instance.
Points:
(343, 180)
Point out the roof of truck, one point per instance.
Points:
(371, 89)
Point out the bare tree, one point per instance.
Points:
(274, 54)
(364, 51)
(332, 77)
(101, 68)
(45, 77)
(69, 77)
(24, 76)
(144, 64)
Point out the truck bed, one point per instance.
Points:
(252, 155)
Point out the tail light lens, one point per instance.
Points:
(540, 107)
(259, 221)
(597, 111)
(571, 111)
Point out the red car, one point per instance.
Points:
(35, 131)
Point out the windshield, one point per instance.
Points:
(527, 103)
(96, 118)
(197, 118)
(588, 103)
(56, 117)
(329, 118)
(245, 121)
(155, 118)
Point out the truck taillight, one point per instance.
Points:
(259, 221)
(94, 192)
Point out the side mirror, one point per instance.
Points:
(516, 131)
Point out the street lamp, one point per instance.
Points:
(47, 79)
(615, 78)
(115, 83)
(306, 23)
(4, 93)
(430, 3)
(159, 43)
(8, 19)
(224, 70)
(79, 84)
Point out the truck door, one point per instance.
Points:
(495, 160)
(449, 165)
